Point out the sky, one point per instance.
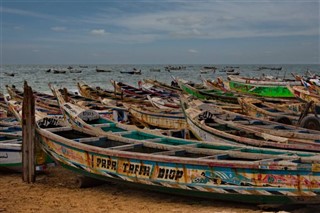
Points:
(160, 32)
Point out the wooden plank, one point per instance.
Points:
(28, 135)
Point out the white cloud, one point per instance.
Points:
(58, 29)
(98, 32)
(215, 20)
(192, 51)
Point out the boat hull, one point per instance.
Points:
(223, 181)
(272, 91)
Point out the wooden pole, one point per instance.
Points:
(28, 135)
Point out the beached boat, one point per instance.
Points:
(210, 170)
(216, 171)
(173, 87)
(158, 118)
(304, 94)
(262, 87)
(209, 122)
(285, 113)
(43, 100)
(156, 90)
(121, 87)
(11, 142)
(164, 103)
(205, 94)
(104, 95)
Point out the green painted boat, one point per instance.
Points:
(208, 94)
(263, 88)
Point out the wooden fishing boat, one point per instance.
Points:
(285, 113)
(159, 118)
(59, 71)
(305, 95)
(43, 100)
(212, 94)
(217, 171)
(132, 72)
(121, 87)
(240, 174)
(11, 143)
(172, 87)
(158, 91)
(164, 103)
(310, 121)
(209, 122)
(262, 87)
(100, 94)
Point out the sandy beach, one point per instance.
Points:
(57, 191)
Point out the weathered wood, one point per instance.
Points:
(28, 136)
(304, 113)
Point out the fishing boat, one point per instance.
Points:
(200, 169)
(209, 122)
(158, 118)
(156, 90)
(11, 143)
(43, 100)
(216, 171)
(132, 72)
(127, 89)
(104, 95)
(173, 87)
(205, 94)
(164, 103)
(282, 113)
(262, 87)
(59, 71)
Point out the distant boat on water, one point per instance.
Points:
(102, 70)
(83, 66)
(75, 71)
(9, 74)
(59, 71)
(133, 72)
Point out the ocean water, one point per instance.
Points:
(38, 78)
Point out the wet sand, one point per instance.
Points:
(57, 191)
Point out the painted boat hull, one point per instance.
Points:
(215, 181)
(271, 91)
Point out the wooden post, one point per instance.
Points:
(28, 135)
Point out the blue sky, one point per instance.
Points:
(159, 32)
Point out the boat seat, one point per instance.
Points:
(84, 140)
(126, 147)
(11, 141)
(169, 152)
(218, 156)
(59, 129)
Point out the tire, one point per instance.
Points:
(283, 120)
(310, 122)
